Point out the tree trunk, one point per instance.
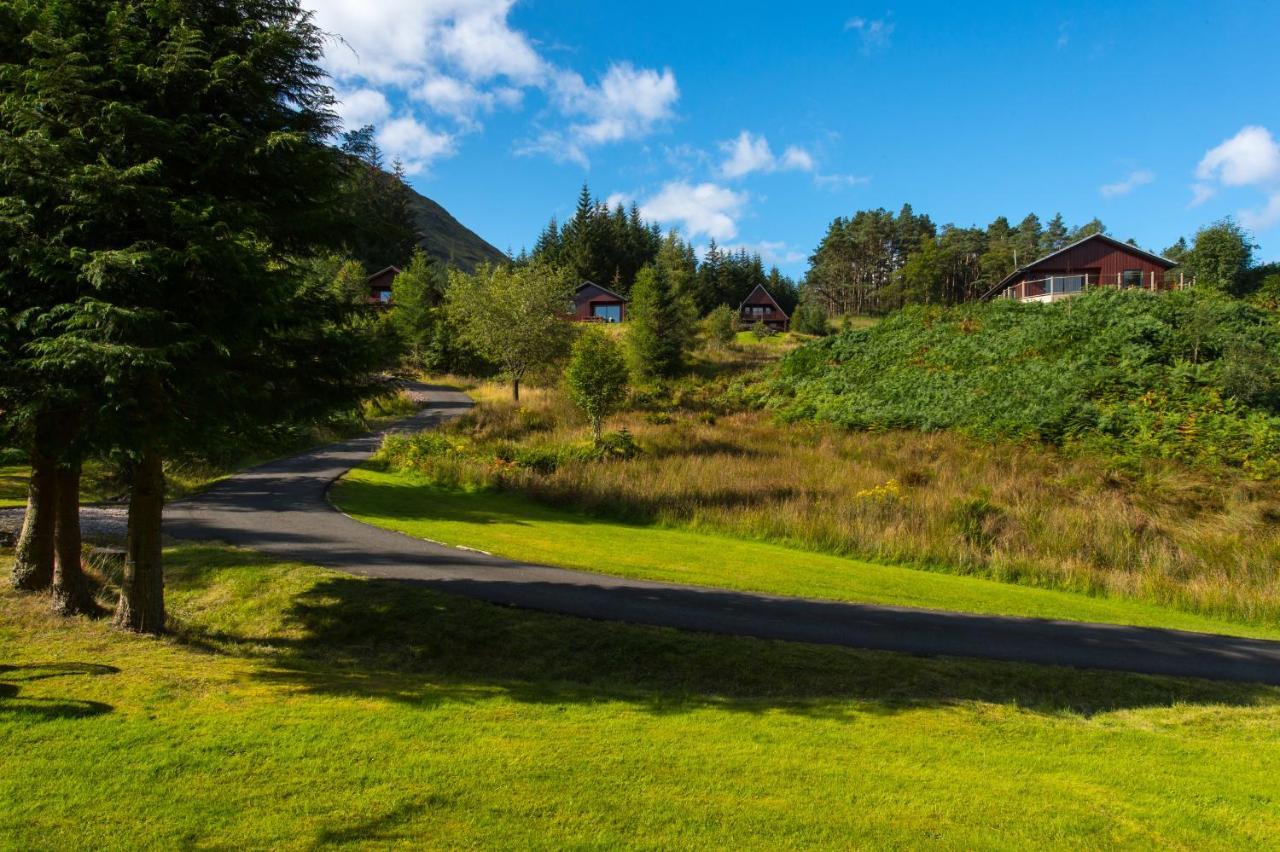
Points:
(33, 563)
(515, 389)
(71, 592)
(141, 606)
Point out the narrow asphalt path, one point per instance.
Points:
(281, 509)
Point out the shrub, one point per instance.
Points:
(1189, 376)
(596, 376)
(721, 326)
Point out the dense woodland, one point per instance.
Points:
(611, 246)
(876, 261)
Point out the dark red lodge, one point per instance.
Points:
(1095, 261)
(593, 303)
(380, 285)
(761, 307)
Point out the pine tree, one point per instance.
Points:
(659, 335)
(200, 167)
(1055, 235)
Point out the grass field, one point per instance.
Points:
(1016, 512)
(511, 525)
(13, 485)
(297, 707)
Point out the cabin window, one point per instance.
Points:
(756, 310)
(384, 296)
(1131, 278)
(1068, 283)
(607, 313)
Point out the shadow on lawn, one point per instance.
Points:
(14, 704)
(398, 642)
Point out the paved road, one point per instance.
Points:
(281, 509)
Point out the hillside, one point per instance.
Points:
(1187, 376)
(446, 239)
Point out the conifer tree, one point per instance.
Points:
(178, 178)
(659, 335)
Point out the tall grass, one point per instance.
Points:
(1017, 512)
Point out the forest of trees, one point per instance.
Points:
(876, 261)
(611, 246)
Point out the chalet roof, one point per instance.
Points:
(1154, 258)
(585, 284)
(395, 270)
(759, 288)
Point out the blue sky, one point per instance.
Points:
(757, 123)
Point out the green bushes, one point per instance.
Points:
(1187, 376)
(448, 457)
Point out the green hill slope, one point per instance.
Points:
(448, 240)
(1188, 376)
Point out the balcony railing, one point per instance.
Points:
(767, 316)
(1054, 287)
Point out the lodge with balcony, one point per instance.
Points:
(1095, 261)
(761, 307)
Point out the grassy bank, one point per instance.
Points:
(510, 525)
(298, 707)
(1019, 513)
(1191, 376)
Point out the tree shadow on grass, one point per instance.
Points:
(15, 705)
(395, 824)
(401, 642)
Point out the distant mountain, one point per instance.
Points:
(446, 239)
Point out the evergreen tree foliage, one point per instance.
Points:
(171, 161)
(596, 376)
(378, 204)
(659, 335)
(417, 299)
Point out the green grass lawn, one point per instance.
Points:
(298, 707)
(13, 485)
(510, 525)
(748, 338)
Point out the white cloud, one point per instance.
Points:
(874, 33)
(397, 41)
(414, 144)
(704, 208)
(836, 182)
(749, 153)
(361, 107)
(1200, 193)
(1251, 158)
(746, 154)
(797, 158)
(1135, 179)
(1264, 218)
(627, 102)
(462, 59)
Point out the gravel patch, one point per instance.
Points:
(96, 522)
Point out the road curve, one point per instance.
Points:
(281, 509)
